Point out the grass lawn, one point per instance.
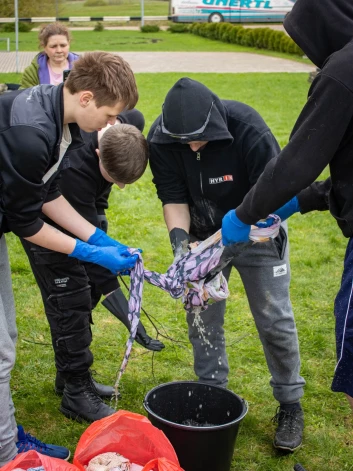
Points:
(121, 8)
(317, 251)
(137, 41)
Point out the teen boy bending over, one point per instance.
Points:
(121, 159)
(37, 126)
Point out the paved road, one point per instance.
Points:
(220, 62)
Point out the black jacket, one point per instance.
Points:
(217, 178)
(323, 133)
(31, 123)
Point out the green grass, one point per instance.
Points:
(137, 41)
(317, 251)
(121, 8)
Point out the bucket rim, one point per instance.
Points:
(192, 427)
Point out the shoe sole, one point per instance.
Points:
(286, 448)
(74, 416)
(60, 393)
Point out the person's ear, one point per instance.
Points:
(97, 152)
(85, 98)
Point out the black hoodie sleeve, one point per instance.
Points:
(315, 139)
(315, 197)
(23, 166)
(168, 175)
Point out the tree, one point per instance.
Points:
(29, 8)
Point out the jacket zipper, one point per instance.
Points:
(198, 157)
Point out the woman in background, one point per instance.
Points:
(48, 66)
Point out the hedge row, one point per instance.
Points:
(262, 38)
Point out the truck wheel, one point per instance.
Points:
(215, 18)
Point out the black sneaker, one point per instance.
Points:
(289, 433)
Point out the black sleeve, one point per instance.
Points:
(316, 137)
(102, 200)
(168, 175)
(134, 117)
(23, 167)
(80, 190)
(262, 150)
(315, 197)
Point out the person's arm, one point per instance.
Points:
(62, 213)
(167, 169)
(53, 239)
(177, 215)
(316, 137)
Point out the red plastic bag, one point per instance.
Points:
(161, 464)
(132, 435)
(33, 459)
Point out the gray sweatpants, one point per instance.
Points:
(8, 337)
(266, 279)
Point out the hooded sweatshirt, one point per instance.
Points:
(215, 179)
(323, 133)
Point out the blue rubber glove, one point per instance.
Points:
(233, 230)
(288, 209)
(108, 257)
(101, 239)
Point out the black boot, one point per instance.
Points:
(102, 390)
(80, 400)
(118, 305)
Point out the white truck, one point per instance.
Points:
(232, 11)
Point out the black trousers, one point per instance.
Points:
(67, 298)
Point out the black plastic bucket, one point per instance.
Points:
(201, 422)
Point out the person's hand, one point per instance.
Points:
(233, 230)
(288, 209)
(113, 258)
(146, 341)
(179, 240)
(101, 239)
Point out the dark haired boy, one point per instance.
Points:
(121, 159)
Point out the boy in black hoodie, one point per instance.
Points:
(78, 285)
(205, 155)
(322, 135)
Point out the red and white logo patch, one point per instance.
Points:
(225, 178)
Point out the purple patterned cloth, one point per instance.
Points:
(184, 279)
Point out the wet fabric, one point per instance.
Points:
(187, 279)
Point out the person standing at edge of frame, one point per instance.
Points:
(37, 126)
(322, 135)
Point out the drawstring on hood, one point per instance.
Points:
(191, 112)
(320, 27)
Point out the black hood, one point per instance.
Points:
(320, 27)
(190, 107)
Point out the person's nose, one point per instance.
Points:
(112, 121)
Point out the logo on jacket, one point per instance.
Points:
(225, 178)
